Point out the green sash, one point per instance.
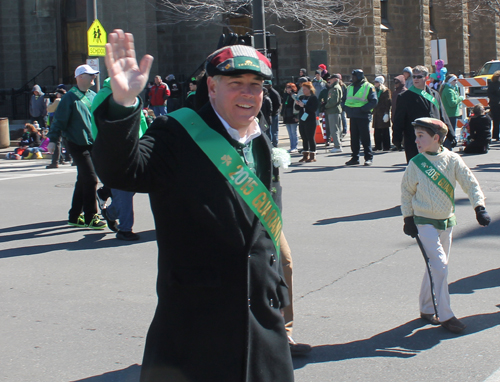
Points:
(435, 176)
(426, 95)
(229, 163)
(82, 97)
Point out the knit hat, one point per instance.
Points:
(322, 66)
(336, 75)
(400, 78)
(452, 78)
(302, 79)
(170, 77)
(238, 59)
(408, 69)
(380, 79)
(268, 82)
(437, 126)
(358, 73)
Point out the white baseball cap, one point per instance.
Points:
(82, 69)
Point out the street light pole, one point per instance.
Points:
(259, 26)
(91, 16)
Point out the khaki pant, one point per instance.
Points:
(286, 262)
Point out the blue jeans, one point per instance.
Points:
(159, 110)
(122, 209)
(275, 120)
(292, 134)
(344, 123)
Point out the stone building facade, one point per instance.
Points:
(43, 41)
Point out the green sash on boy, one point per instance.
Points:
(426, 95)
(435, 176)
(229, 163)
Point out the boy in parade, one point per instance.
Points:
(428, 206)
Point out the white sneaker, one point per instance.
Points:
(336, 150)
(293, 151)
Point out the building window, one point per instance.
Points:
(384, 16)
(431, 17)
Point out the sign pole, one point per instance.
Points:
(98, 74)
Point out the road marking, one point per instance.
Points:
(19, 170)
(495, 377)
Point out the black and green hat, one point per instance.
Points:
(238, 59)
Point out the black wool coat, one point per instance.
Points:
(220, 285)
(411, 106)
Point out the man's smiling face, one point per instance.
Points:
(237, 98)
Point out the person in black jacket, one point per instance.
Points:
(480, 132)
(307, 105)
(276, 104)
(218, 268)
(417, 102)
(494, 102)
(267, 110)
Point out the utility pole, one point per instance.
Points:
(259, 26)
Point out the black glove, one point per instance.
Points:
(410, 228)
(482, 216)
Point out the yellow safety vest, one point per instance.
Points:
(360, 98)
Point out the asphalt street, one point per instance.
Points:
(76, 304)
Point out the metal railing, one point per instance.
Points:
(14, 103)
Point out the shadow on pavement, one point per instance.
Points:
(485, 280)
(382, 214)
(130, 374)
(92, 239)
(404, 341)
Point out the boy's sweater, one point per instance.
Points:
(421, 197)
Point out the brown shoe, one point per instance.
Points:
(298, 349)
(454, 325)
(312, 157)
(430, 317)
(305, 156)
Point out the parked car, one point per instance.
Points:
(486, 71)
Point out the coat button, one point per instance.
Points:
(271, 303)
(249, 303)
(272, 260)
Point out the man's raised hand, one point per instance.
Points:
(126, 77)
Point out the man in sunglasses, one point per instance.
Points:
(418, 102)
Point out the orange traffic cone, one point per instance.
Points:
(319, 137)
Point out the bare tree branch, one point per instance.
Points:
(330, 16)
(477, 9)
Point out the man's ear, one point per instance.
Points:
(211, 85)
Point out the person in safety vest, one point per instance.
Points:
(359, 104)
(211, 173)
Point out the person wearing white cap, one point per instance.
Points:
(72, 122)
(381, 116)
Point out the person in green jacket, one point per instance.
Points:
(333, 110)
(451, 100)
(72, 122)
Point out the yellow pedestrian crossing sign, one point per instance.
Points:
(97, 39)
